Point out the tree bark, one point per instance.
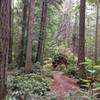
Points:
(97, 36)
(22, 50)
(75, 37)
(69, 22)
(28, 63)
(4, 44)
(10, 35)
(81, 51)
(42, 35)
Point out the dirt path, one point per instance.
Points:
(63, 85)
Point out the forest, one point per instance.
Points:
(49, 49)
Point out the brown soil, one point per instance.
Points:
(63, 85)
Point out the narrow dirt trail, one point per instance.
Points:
(63, 85)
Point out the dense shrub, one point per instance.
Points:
(24, 84)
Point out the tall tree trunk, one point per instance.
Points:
(69, 22)
(10, 35)
(4, 44)
(97, 40)
(42, 35)
(81, 52)
(75, 36)
(28, 64)
(22, 51)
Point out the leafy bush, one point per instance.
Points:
(92, 69)
(71, 71)
(12, 66)
(22, 84)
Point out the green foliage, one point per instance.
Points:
(37, 65)
(68, 57)
(84, 95)
(46, 71)
(71, 70)
(98, 61)
(34, 83)
(12, 66)
(92, 72)
(92, 1)
(76, 8)
(56, 56)
(24, 84)
(56, 3)
(21, 85)
(91, 68)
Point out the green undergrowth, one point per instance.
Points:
(21, 84)
(37, 84)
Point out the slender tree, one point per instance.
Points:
(81, 51)
(4, 44)
(75, 36)
(10, 34)
(69, 22)
(97, 40)
(28, 63)
(22, 51)
(42, 34)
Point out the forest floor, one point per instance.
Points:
(64, 85)
(69, 88)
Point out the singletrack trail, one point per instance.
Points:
(63, 85)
